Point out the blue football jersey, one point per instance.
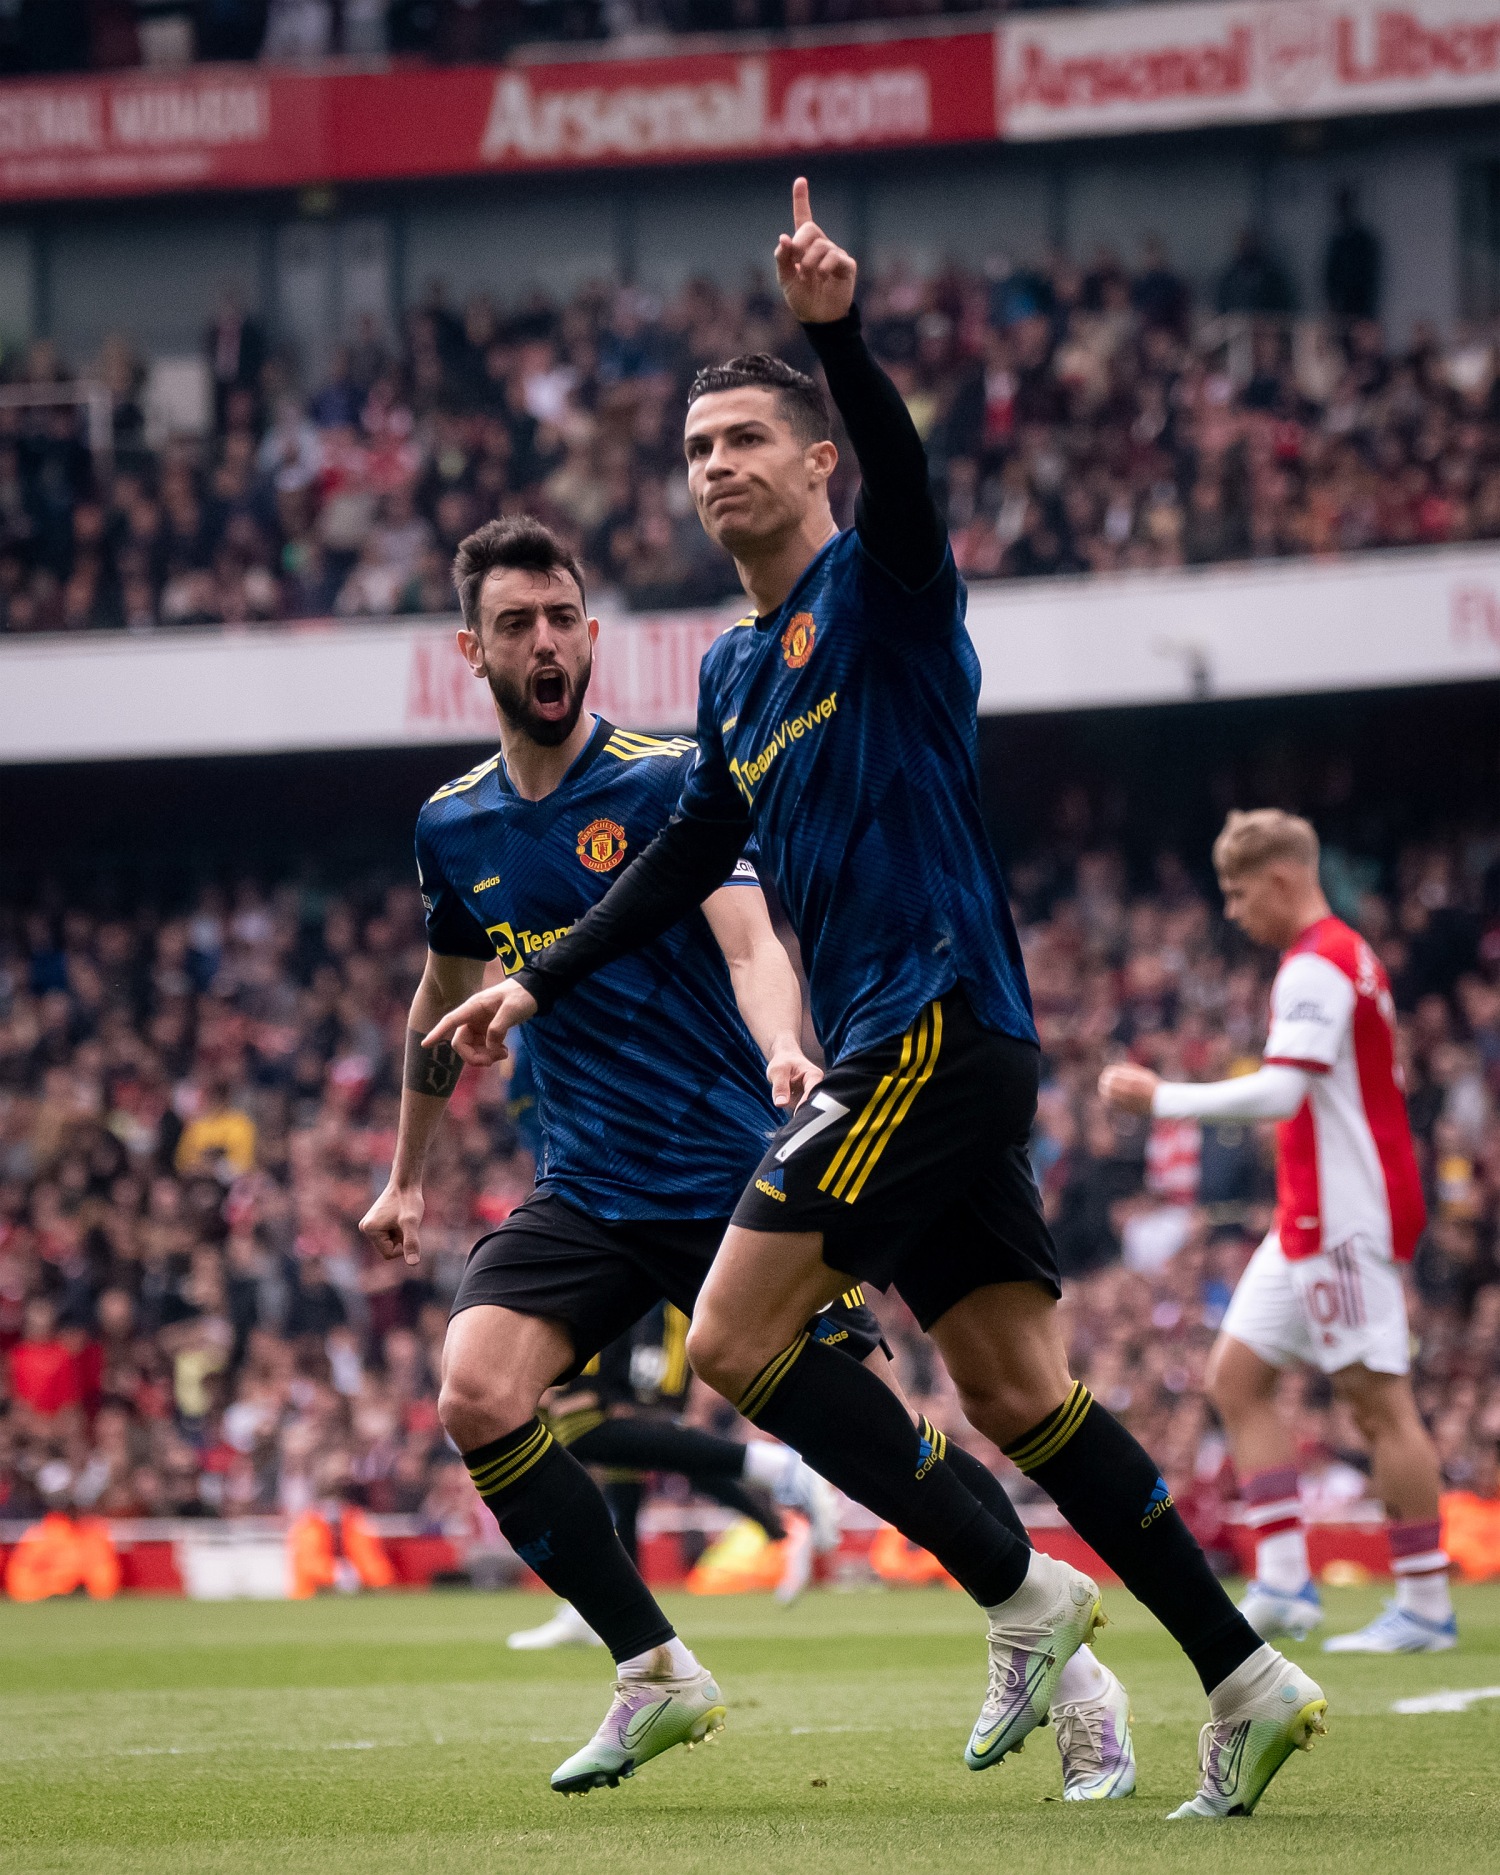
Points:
(846, 724)
(651, 1096)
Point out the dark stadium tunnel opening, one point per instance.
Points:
(1369, 766)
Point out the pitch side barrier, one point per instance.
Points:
(253, 1558)
(1375, 621)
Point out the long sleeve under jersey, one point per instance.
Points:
(1273, 1092)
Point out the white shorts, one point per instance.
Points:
(1342, 1308)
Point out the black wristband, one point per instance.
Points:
(433, 1071)
(541, 991)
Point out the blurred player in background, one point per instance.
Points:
(1325, 1286)
(621, 1418)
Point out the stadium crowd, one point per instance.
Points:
(110, 35)
(197, 1107)
(1078, 419)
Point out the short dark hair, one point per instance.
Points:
(801, 397)
(518, 540)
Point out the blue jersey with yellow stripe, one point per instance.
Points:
(844, 726)
(651, 1096)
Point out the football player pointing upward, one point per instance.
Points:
(839, 726)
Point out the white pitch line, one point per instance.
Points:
(1445, 1701)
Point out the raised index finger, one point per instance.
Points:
(445, 1029)
(801, 203)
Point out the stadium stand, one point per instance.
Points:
(196, 1107)
(112, 35)
(1080, 419)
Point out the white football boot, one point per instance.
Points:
(1094, 1741)
(645, 1718)
(1397, 1631)
(1274, 1613)
(1267, 1709)
(567, 1628)
(1033, 1636)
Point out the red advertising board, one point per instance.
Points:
(1242, 61)
(248, 127)
(1085, 72)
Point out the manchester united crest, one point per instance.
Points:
(797, 639)
(601, 845)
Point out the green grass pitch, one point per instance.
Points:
(397, 1733)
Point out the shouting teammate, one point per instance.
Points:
(838, 725)
(654, 1107)
(1324, 1287)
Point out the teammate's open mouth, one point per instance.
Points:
(549, 690)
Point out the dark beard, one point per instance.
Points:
(515, 707)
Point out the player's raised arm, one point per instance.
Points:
(896, 515)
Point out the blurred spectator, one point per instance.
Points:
(236, 354)
(1351, 268)
(1253, 282)
(197, 1107)
(1073, 425)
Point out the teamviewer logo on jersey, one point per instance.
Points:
(797, 639)
(601, 845)
(503, 937)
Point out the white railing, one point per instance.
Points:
(1380, 620)
(94, 398)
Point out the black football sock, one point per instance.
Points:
(658, 1445)
(715, 1465)
(982, 1483)
(1111, 1492)
(623, 1496)
(554, 1517)
(852, 1429)
(733, 1496)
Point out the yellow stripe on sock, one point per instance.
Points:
(1051, 1440)
(937, 1442)
(568, 1428)
(935, 1043)
(499, 1473)
(770, 1377)
(674, 1352)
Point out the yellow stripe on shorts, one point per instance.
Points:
(887, 1108)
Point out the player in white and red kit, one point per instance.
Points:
(1325, 1286)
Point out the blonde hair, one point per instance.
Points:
(1252, 840)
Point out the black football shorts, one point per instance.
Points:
(911, 1159)
(599, 1278)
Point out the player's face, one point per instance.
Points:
(752, 477)
(1262, 903)
(535, 645)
